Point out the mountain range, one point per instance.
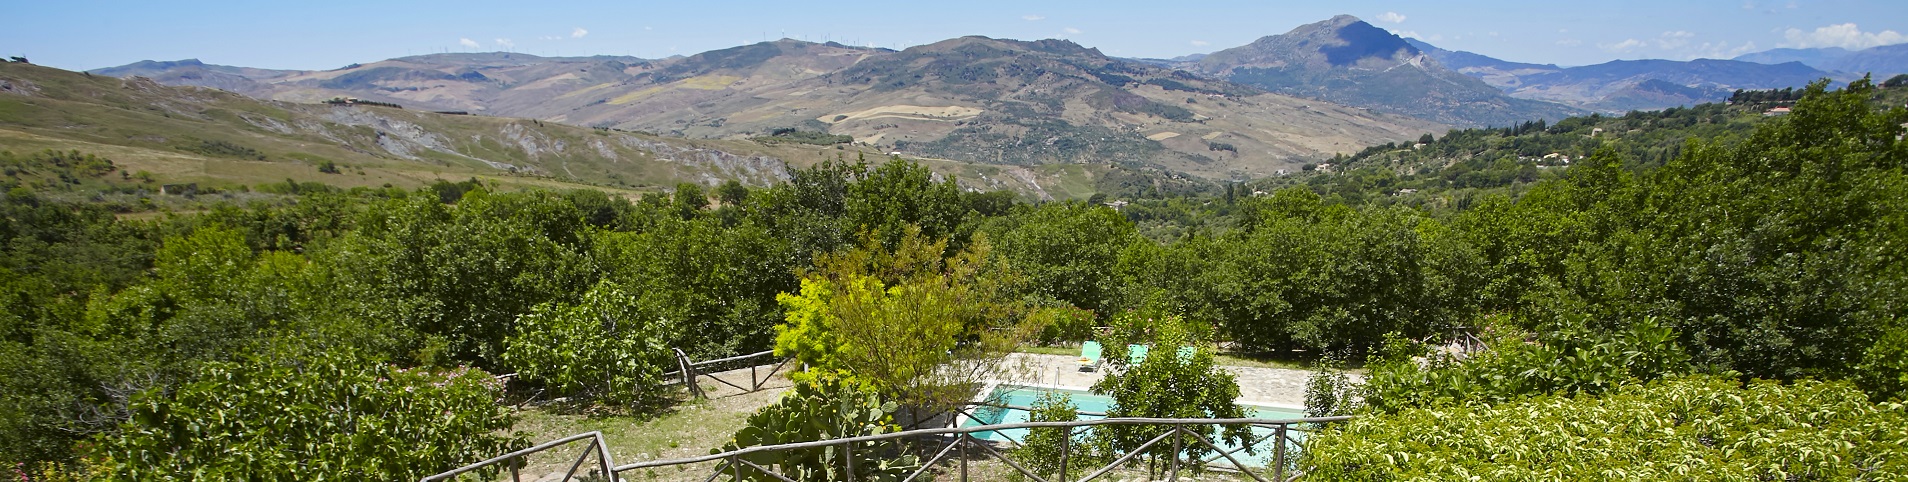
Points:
(1348, 61)
(969, 99)
(1624, 85)
(1883, 61)
(1320, 89)
(187, 135)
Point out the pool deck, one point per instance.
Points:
(1275, 387)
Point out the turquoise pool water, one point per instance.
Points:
(1024, 396)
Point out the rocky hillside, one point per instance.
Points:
(185, 135)
(965, 100)
(190, 134)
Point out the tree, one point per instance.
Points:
(1335, 279)
(717, 283)
(1898, 80)
(809, 210)
(311, 416)
(1176, 379)
(899, 193)
(1042, 450)
(1764, 254)
(919, 328)
(451, 279)
(1065, 251)
(689, 200)
(732, 193)
(607, 346)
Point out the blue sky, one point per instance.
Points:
(83, 34)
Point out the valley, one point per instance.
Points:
(967, 241)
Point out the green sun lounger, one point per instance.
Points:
(1090, 356)
(1135, 354)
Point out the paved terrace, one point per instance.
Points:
(1277, 387)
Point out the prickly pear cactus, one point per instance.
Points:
(821, 408)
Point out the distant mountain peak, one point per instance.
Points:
(1345, 60)
(1340, 41)
(1053, 46)
(155, 65)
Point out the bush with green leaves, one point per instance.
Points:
(1065, 251)
(1680, 428)
(823, 406)
(1884, 371)
(1330, 392)
(1177, 379)
(1303, 273)
(924, 328)
(605, 346)
(1565, 358)
(452, 279)
(325, 416)
(1043, 447)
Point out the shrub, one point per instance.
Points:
(922, 329)
(605, 346)
(790, 134)
(1329, 392)
(1685, 428)
(1566, 359)
(1177, 379)
(823, 406)
(1041, 451)
(328, 416)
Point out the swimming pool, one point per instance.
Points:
(1084, 401)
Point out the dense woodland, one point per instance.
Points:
(316, 329)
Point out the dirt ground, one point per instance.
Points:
(689, 429)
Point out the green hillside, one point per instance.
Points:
(218, 139)
(1449, 171)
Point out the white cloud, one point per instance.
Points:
(1071, 31)
(505, 43)
(1391, 17)
(1406, 33)
(1200, 43)
(1625, 46)
(1569, 42)
(579, 33)
(1845, 35)
(468, 43)
(1674, 39)
(1719, 50)
(1033, 18)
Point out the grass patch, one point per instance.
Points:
(688, 429)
